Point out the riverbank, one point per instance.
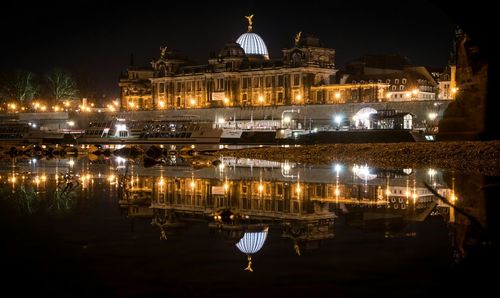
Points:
(471, 157)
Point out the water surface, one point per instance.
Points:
(188, 228)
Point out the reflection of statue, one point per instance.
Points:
(163, 50)
(249, 18)
(297, 37)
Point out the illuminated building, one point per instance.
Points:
(406, 82)
(135, 89)
(241, 74)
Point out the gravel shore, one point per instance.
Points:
(470, 157)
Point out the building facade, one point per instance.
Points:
(243, 75)
(235, 78)
(135, 89)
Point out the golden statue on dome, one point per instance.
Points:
(249, 18)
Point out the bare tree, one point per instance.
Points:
(61, 86)
(20, 86)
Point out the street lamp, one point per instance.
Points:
(337, 120)
(298, 98)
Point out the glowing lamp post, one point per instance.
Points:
(338, 120)
(298, 98)
(161, 104)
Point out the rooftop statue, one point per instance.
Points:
(297, 37)
(163, 50)
(249, 18)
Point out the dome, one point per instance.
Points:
(253, 44)
(232, 50)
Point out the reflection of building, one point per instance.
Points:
(308, 232)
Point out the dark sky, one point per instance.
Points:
(94, 39)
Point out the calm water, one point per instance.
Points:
(190, 228)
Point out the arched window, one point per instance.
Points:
(388, 81)
(403, 81)
(393, 87)
(401, 87)
(396, 81)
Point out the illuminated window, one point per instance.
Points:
(403, 81)
(401, 87)
(396, 81)
(394, 87)
(296, 79)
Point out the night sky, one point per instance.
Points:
(94, 39)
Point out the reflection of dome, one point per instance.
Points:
(251, 243)
(253, 44)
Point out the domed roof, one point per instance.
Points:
(253, 44)
(232, 50)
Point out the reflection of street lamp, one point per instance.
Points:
(432, 116)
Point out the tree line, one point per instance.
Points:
(23, 87)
